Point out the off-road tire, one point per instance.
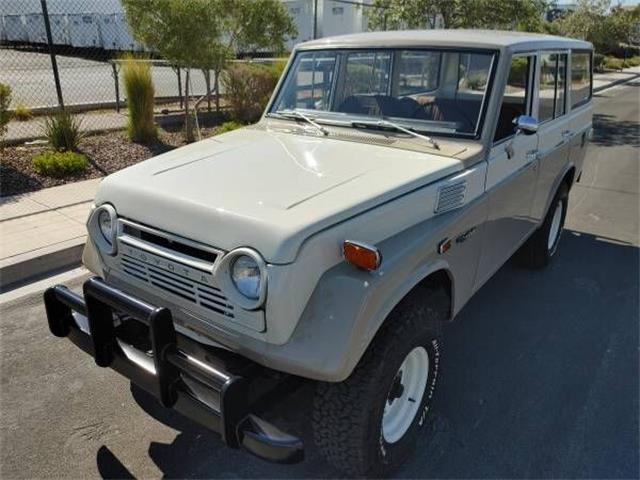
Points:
(536, 253)
(347, 416)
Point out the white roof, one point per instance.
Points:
(489, 39)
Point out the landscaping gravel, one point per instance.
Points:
(107, 153)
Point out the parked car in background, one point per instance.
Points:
(391, 175)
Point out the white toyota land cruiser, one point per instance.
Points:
(391, 175)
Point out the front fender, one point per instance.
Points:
(347, 306)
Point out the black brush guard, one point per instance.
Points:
(233, 419)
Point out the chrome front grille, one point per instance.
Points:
(171, 265)
(206, 296)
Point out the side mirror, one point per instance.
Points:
(526, 124)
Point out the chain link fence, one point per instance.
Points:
(56, 53)
(87, 39)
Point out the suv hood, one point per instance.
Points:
(265, 189)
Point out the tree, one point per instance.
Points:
(206, 34)
(493, 14)
(588, 21)
(607, 28)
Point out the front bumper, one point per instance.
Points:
(208, 385)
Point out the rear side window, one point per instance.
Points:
(553, 84)
(580, 78)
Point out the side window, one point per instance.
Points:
(580, 78)
(561, 86)
(516, 98)
(553, 85)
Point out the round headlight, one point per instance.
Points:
(245, 273)
(105, 223)
(102, 226)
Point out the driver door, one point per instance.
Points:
(511, 172)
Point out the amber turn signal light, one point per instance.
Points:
(361, 255)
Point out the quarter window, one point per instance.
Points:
(516, 98)
(553, 83)
(580, 78)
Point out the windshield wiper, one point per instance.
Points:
(383, 123)
(301, 116)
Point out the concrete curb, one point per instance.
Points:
(30, 266)
(616, 82)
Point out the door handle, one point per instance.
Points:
(566, 133)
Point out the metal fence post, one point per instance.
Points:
(54, 64)
(114, 73)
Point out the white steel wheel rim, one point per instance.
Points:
(399, 411)
(554, 231)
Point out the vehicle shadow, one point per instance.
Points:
(539, 379)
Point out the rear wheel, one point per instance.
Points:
(543, 244)
(368, 424)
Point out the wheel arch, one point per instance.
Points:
(566, 178)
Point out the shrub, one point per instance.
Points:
(247, 89)
(633, 61)
(22, 113)
(62, 131)
(138, 85)
(60, 164)
(613, 63)
(228, 127)
(5, 116)
(598, 62)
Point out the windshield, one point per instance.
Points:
(439, 91)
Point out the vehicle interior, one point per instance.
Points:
(442, 90)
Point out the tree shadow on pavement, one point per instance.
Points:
(609, 132)
(539, 379)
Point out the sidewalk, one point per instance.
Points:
(45, 230)
(608, 79)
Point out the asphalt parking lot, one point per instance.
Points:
(539, 380)
(31, 77)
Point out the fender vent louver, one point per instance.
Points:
(450, 196)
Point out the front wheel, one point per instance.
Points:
(369, 424)
(543, 244)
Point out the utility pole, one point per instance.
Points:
(315, 19)
(54, 64)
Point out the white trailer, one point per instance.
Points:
(338, 18)
(108, 32)
(114, 32)
(84, 30)
(330, 18)
(36, 30)
(301, 12)
(59, 29)
(15, 28)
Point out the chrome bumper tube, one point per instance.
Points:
(200, 383)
